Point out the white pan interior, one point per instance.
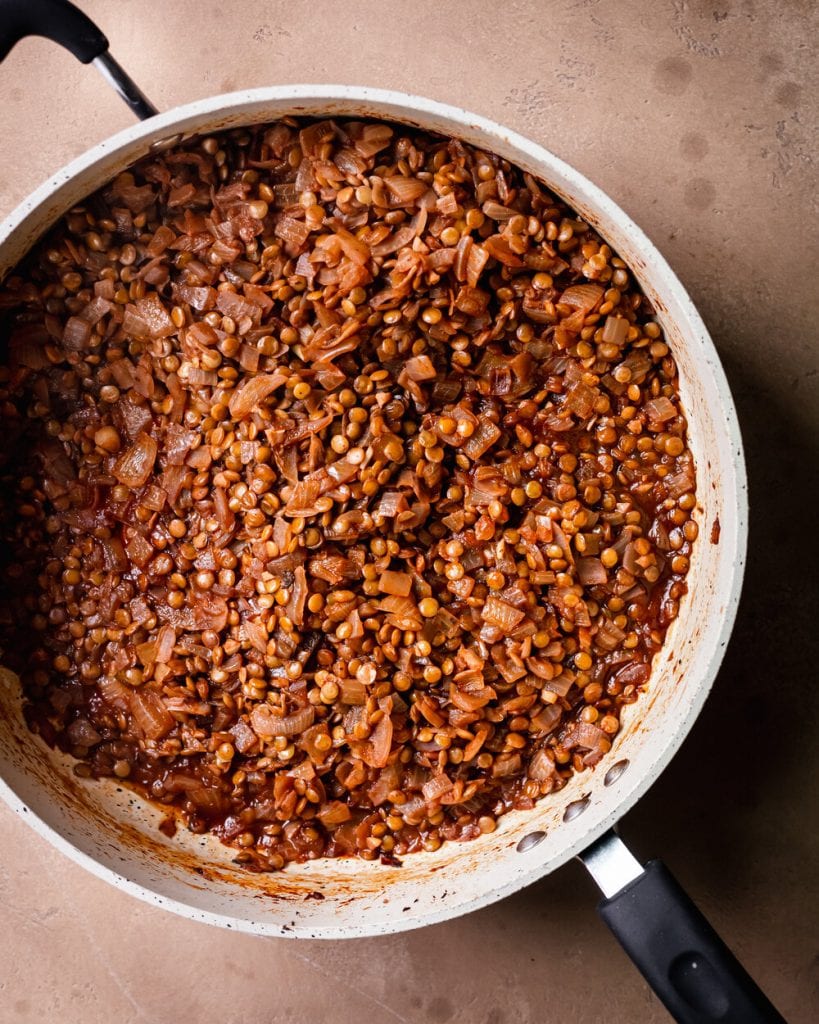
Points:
(114, 834)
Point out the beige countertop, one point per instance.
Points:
(699, 118)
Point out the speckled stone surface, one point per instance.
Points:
(699, 118)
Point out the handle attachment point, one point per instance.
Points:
(610, 863)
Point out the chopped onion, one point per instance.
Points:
(505, 616)
(472, 301)
(505, 765)
(244, 738)
(659, 410)
(476, 259)
(546, 719)
(165, 642)
(419, 368)
(135, 465)
(96, 309)
(403, 236)
(541, 767)
(298, 596)
(391, 504)
(559, 684)
(615, 330)
(376, 750)
(200, 298)
(353, 691)
(448, 205)
(436, 787)
(162, 238)
(462, 251)
(373, 139)
(398, 583)
(401, 612)
(154, 498)
(27, 346)
(333, 568)
(405, 191)
(293, 232)
(586, 735)
(471, 700)
(113, 554)
(334, 813)
(482, 440)
(138, 548)
(266, 724)
(498, 247)
(580, 399)
(245, 399)
(155, 316)
(497, 212)
(77, 333)
(413, 809)
(124, 374)
(150, 715)
(591, 572)
(224, 513)
(187, 705)
(582, 296)
(236, 306)
(353, 247)
(173, 480)
(349, 162)
(683, 481)
(115, 693)
(256, 634)
(308, 743)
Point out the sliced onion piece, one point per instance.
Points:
(266, 723)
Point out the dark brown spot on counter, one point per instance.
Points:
(699, 194)
(788, 95)
(672, 76)
(693, 147)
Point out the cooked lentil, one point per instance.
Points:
(346, 494)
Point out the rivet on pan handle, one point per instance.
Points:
(65, 24)
(676, 950)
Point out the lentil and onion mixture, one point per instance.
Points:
(345, 493)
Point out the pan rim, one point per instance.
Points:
(734, 488)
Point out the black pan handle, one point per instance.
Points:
(66, 24)
(57, 20)
(676, 950)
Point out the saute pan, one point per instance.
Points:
(114, 834)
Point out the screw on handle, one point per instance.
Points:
(66, 24)
(680, 955)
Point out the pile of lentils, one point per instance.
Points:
(346, 496)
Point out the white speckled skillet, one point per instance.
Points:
(114, 834)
